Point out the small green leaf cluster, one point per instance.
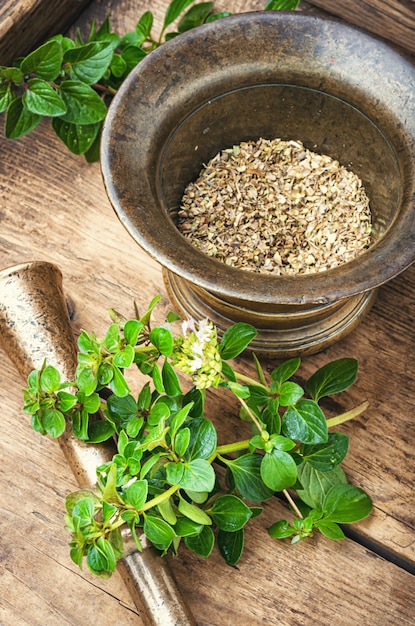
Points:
(169, 478)
(72, 81)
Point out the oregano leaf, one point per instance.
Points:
(78, 138)
(83, 104)
(45, 61)
(19, 120)
(42, 99)
(88, 63)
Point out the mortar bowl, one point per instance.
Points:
(291, 75)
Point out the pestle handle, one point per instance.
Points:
(34, 326)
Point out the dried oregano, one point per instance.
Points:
(273, 206)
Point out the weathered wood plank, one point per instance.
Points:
(53, 207)
(27, 23)
(392, 19)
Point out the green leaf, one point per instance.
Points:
(203, 439)
(174, 473)
(158, 531)
(78, 138)
(315, 484)
(42, 99)
(332, 378)
(284, 371)
(246, 472)
(330, 529)
(132, 56)
(66, 401)
(92, 155)
(99, 431)
(278, 470)
(281, 530)
(290, 393)
(157, 379)
(53, 422)
(145, 319)
(195, 16)
(19, 120)
(12, 74)
(118, 384)
(201, 544)
(86, 379)
(217, 16)
(181, 441)
(50, 379)
(173, 11)
(89, 62)
(160, 411)
(122, 409)
(87, 343)
(6, 97)
(282, 443)
(179, 419)
(230, 513)
(186, 527)
(45, 61)
(132, 330)
(83, 104)
(65, 42)
(74, 497)
(101, 558)
(168, 512)
(110, 493)
(305, 422)
(345, 504)
(193, 512)
(236, 339)
(90, 403)
(80, 422)
(136, 494)
(134, 426)
(231, 545)
(124, 358)
(170, 380)
(162, 339)
(113, 338)
(133, 39)
(271, 418)
(198, 475)
(281, 5)
(240, 391)
(118, 66)
(145, 24)
(325, 456)
(81, 504)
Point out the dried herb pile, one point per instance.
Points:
(274, 206)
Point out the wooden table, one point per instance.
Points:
(53, 207)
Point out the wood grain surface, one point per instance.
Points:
(27, 23)
(391, 19)
(53, 207)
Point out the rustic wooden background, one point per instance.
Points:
(53, 207)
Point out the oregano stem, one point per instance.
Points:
(160, 498)
(292, 503)
(250, 381)
(348, 415)
(228, 449)
(251, 414)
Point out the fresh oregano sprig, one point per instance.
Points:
(72, 81)
(169, 478)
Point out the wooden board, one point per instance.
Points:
(53, 207)
(27, 23)
(391, 19)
